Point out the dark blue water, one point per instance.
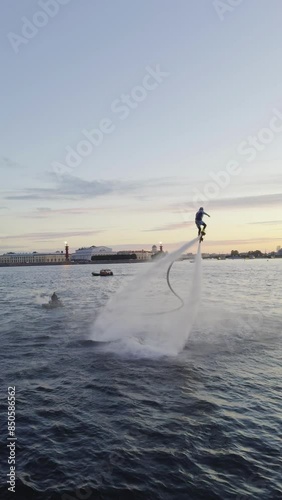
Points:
(98, 424)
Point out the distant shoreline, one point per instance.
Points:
(48, 264)
(106, 262)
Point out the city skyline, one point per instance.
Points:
(118, 123)
(132, 247)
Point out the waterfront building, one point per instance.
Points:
(85, 254)
(140, 254)
(32, 258)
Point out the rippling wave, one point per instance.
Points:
(99, 423)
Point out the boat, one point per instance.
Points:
(104, 272)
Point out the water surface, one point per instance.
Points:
(203, 424)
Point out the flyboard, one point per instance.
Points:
(202, 234)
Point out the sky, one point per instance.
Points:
(120, 118)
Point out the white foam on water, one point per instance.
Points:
(41, 298)
(144, 318)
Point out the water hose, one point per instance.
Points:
(172, 290)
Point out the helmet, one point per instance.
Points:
(201, 208)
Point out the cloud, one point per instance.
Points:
(252, 201)
(8, 247)
(267, 222)
(247, 201)
(170, 227)
(72, 189)
(250, 241)
(69, 187)
(9, 163)
(44, 209)
(46, 212)
(54, 235)
(23, 197)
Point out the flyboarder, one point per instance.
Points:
(54, 298)
(199, 221)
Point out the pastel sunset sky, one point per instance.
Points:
(119, 118)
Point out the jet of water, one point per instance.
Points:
(142, 318)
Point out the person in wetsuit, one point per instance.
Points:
(199, 220)
(54, 298)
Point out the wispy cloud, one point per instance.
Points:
(45, 212)
(54, 235)
(265, 180)
(170, 227)
(8, 163)
(267, 222)
(248, 201)
(69, 187)
(251, 201)
(8, 247)
(248, 241)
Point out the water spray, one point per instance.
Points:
(172, 290)
(128, 326)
